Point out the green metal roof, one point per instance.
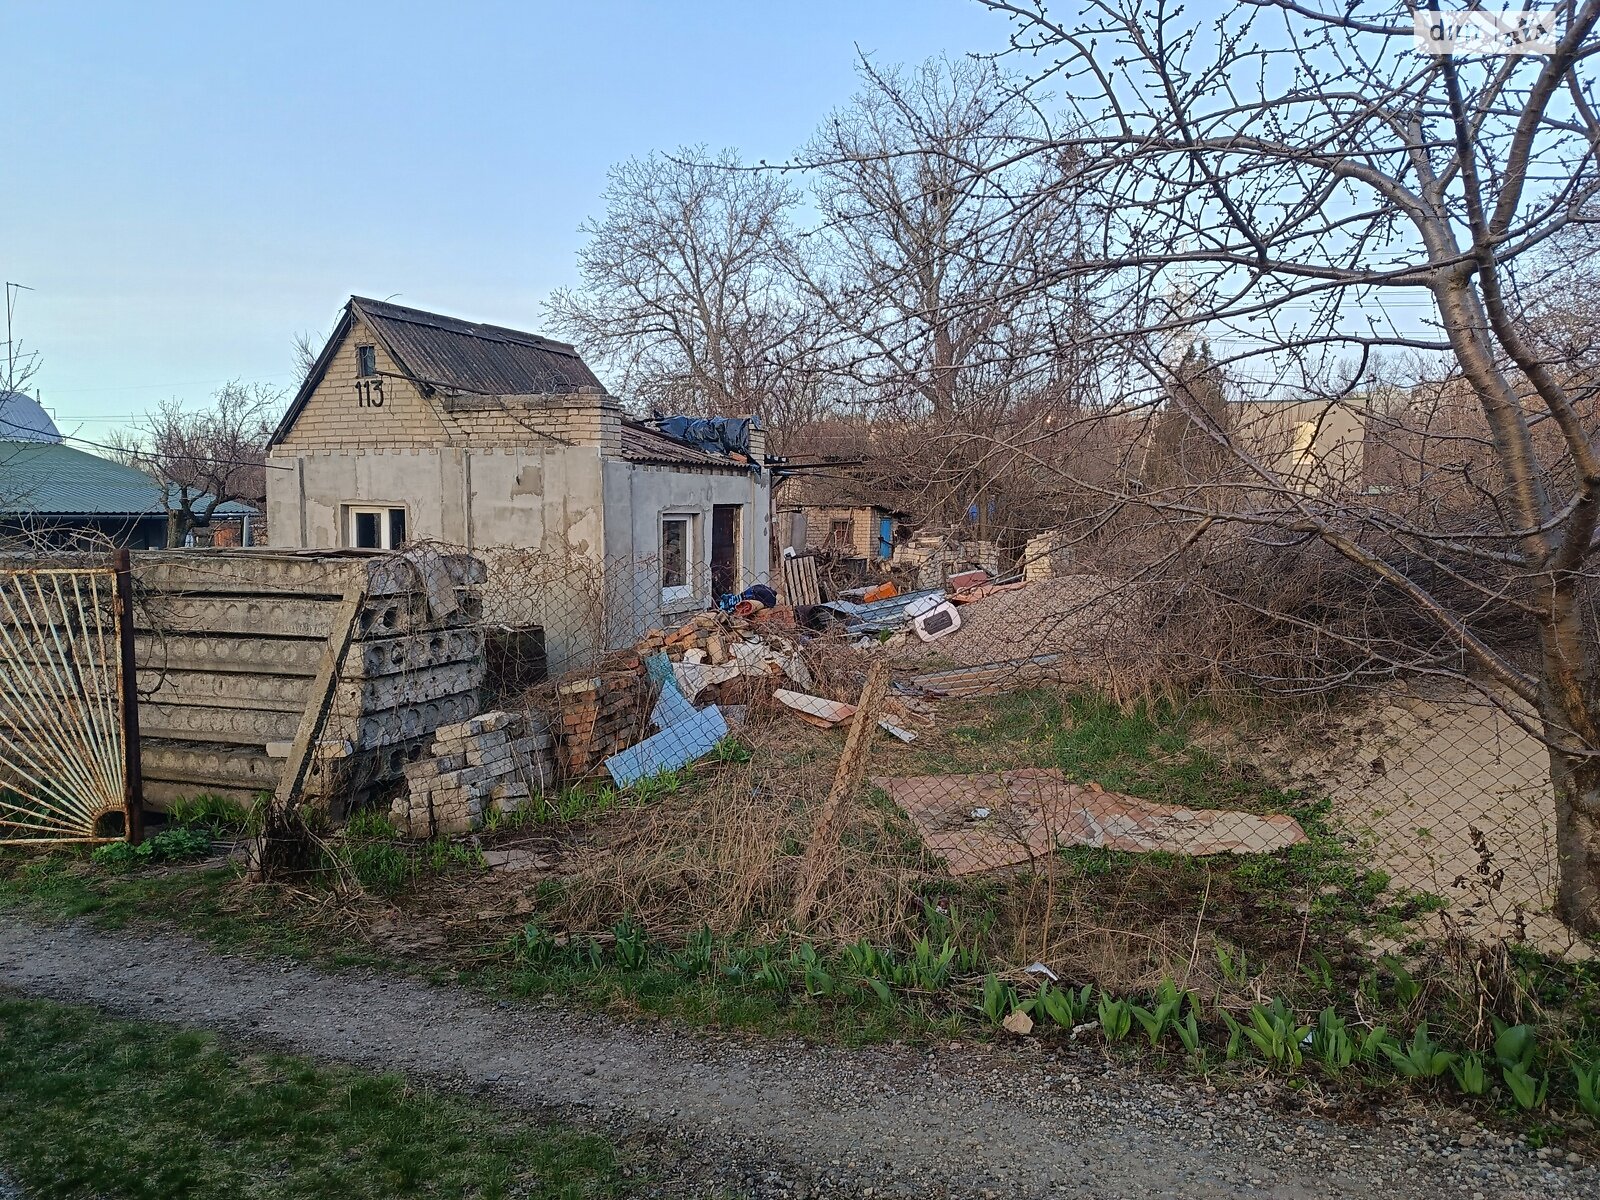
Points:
(56, 480)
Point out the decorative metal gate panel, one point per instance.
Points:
(65, 646)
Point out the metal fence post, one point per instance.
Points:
(132, 775)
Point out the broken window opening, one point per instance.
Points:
(677, 541)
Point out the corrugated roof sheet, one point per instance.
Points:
(52, 479)
(485, 360)
(642, 444)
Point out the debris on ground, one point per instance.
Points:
(716, 649)
(827, 714)
(815, 710)
(1032, 812)
(933, 618)
(683, 732)
(495, 761)
(881, 616)
(800, 581)
(1018, 1023)
(675, 746)
(602, 714)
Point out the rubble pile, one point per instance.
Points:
(731, 659)
(601, 715)
(495, 761)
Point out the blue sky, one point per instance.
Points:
(188, 186)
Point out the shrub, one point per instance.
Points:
(173, 844)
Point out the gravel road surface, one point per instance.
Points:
(780, 1118)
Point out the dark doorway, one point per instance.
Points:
(725, 548)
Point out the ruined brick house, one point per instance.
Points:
(412, 425)
(833, 510)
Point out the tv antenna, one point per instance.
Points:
(11, 344)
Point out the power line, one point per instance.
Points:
(67, 437)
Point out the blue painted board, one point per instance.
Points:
(670, 749)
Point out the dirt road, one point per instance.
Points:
(783, 1119)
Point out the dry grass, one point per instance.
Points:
(725, 852)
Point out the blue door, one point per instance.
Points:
(885, 537)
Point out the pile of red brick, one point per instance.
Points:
(601, 715)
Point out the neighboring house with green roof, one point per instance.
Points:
(51, 490)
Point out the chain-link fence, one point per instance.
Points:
(849, 749)
(845, 748)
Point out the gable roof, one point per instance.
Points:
(52, 479)
(441, 353)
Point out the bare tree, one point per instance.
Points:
(684, 296)
(1184, 443)
(1320, 193)
(944, 297)
(307, 346)
(205, 458)
(17, 368)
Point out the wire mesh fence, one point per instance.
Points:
(723, 761)
(847, 750)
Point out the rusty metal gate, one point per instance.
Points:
(69, 767)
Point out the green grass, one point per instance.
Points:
(1293, 912)
(1145, 751)
(1150, 751)
(95, 1107)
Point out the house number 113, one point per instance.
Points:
(369, 393)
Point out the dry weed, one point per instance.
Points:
(725, 853)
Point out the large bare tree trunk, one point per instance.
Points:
(1576, 782)
(1568, 708)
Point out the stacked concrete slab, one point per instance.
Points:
(228, 643)
(496, 761)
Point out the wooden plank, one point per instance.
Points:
(822, 849)
(293, 777)
(800, 582)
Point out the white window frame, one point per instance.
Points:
(384, 513)
(691, 540)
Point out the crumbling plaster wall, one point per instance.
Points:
(542, 473)
(637, 496)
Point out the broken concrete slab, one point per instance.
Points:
(1029, 813)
